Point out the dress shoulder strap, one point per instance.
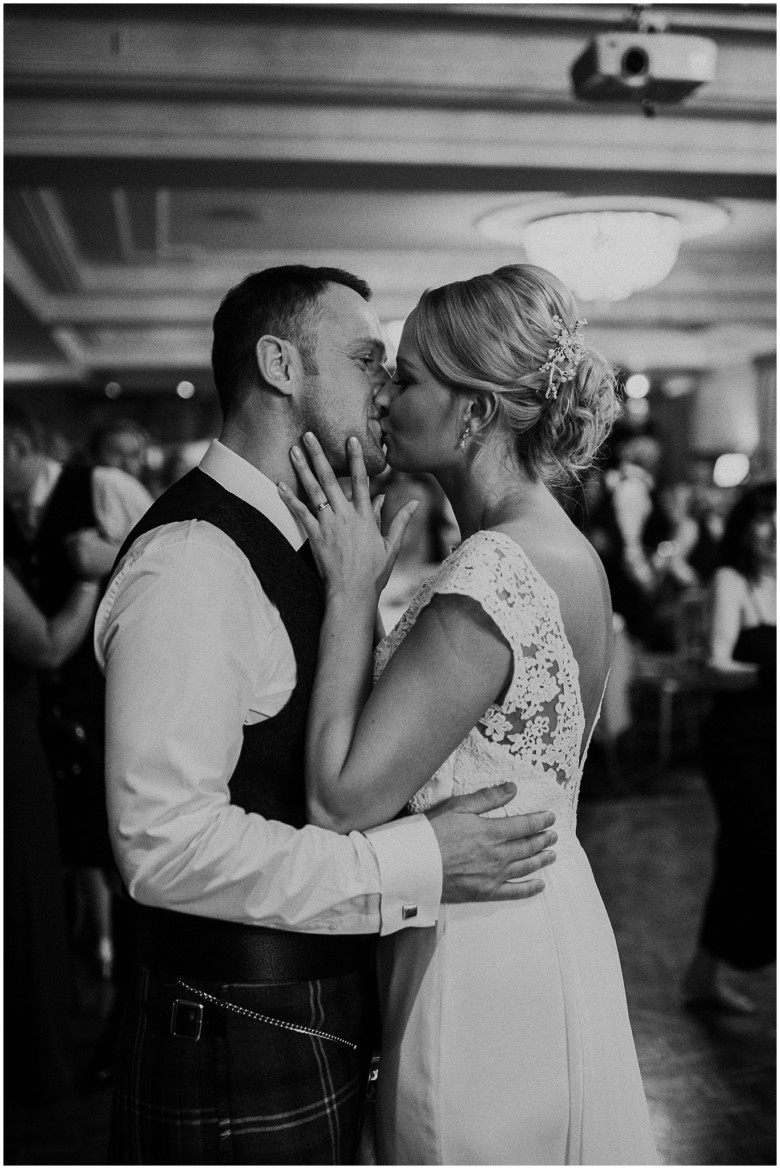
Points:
(492, 570)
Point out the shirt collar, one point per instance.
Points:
(239, 477)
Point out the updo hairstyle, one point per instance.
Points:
(491, 334)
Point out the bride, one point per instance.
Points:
(506, 1038)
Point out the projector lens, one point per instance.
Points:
(635, 62)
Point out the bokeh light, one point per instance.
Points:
(730, 470)
(637, 386)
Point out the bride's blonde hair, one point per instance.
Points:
(492, 334)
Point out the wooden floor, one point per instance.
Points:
(710, 1079)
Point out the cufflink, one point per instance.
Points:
(408, 911)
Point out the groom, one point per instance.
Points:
(251, 1021)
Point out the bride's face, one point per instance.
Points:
(422, 419)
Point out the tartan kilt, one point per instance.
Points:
(245, 1092)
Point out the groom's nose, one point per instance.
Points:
(378, 376)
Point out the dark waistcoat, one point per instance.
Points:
(269, 775)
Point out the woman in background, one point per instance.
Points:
(37, 987)
(739, 754)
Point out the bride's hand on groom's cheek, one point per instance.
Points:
(344, 533)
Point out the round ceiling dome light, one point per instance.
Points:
(604, 248)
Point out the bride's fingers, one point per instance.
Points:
(398, 528)
(377, 510)
(361, 495)
(319, 481)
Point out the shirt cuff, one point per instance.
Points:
(410, 873)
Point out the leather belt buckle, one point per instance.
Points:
(187, 1019)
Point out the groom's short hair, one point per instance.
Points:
(281, 302)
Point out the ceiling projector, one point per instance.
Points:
(648, 67)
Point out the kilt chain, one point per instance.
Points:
(264, 1018)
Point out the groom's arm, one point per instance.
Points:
(173, 636)
(178, 639)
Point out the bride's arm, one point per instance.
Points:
(448, 670)
(369, 750)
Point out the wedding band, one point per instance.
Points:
(322, 506)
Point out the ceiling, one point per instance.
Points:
(156, 154)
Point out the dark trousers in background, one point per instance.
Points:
(738, 754)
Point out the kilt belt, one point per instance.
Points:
(225, 951)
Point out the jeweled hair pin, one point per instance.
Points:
(564, 356)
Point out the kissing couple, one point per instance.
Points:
(318, 831)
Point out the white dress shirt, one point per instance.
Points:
(193, 650)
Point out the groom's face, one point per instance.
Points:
(338, 400)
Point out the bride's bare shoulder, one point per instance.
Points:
(556, 549)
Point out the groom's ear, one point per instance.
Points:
(278, 363)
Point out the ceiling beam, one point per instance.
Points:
(172, 144)
(408, 54)
(44, 168)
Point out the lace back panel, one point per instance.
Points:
(534, 736)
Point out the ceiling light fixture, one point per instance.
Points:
(604, 248)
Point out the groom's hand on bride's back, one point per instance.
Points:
(491, 858)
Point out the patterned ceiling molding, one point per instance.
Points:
(465, 56)
(157, 155)
(162, 222)
(72, 345)
(124, 226)
(23, 279)
(35, 220)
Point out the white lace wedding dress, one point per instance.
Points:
(506, 1037)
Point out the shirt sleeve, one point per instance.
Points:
(118, 501)
(181, 635)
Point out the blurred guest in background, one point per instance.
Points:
(64, 522)
(738, 749)
(671, 564)
(627, 523)
(37, 1039)
(179, 459)
(121, 443)
(673, 555)
(709, 505)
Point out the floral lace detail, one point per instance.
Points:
(533, 737)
